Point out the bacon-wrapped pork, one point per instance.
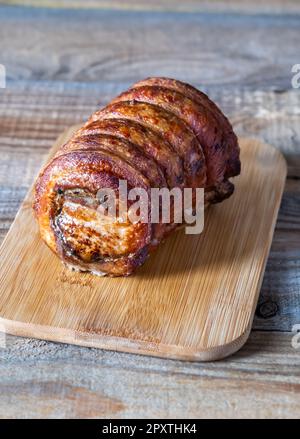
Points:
(161, 133)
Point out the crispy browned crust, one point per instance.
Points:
(161, 133)
(205, 121)
(147, 140)
(230, 141)
(170, 127)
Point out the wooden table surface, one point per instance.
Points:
(62, 64)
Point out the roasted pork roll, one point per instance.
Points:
(161, 133)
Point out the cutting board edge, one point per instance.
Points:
(125, 345)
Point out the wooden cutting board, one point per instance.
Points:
(194, 299)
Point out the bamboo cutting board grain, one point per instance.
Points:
(194, 299)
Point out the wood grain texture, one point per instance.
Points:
(80, 45)
(200, 307)
(274, 6)
(41, 379)
(33, 114)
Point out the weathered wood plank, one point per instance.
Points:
(85, 45)
(274, 6)
(34, 114)
(51, 380)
